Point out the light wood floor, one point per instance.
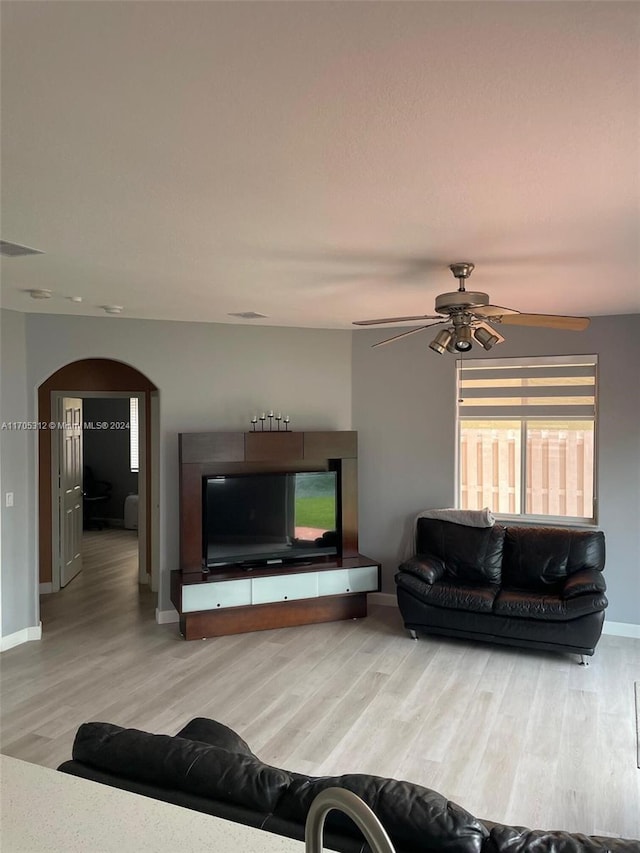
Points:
(514, 736)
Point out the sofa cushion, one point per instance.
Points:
(187, 765)
(470, 554)
(523, 604)
(517, 839)
(416, 818)
(215, 734)
(542, 557)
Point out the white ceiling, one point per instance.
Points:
(320, 162)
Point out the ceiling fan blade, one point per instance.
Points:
(405, 334)
(396, 319)
(493, 311)
(549, 321)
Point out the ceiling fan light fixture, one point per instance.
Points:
(441, 341)
(485, 337)
(463, 342)
(467, 312)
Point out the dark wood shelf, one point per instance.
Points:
(218, 453)
(238, 573)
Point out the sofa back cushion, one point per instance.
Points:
(215, 734)
(416, 818)
(185, 765)
(518, 839)
(471, 554)
(541, 558)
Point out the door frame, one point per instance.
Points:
(144, 577)
(102, 375)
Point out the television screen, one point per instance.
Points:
(257, 519)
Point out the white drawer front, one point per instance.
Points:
(363, 579)
(214, 596)
(285, 588)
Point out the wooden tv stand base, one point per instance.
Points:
(261, 617)
(237, 601)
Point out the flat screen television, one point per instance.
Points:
(260, 519)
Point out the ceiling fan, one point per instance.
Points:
(467, 314)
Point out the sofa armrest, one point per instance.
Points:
(428, 569)
(583, 582)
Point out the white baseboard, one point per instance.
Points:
(166, 617)
(386, 598)
(19, 637)
(621, 629)
(46, 588)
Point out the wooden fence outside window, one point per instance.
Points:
(558, 469)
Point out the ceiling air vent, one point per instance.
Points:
(15, 250)
(247, 315)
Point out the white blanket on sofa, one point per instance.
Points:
(466, 517)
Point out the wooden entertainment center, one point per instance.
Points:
(230, 600)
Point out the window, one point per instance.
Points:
(526, 436)
(133, 434)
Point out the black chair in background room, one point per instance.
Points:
(95, 494)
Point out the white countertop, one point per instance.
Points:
(45, 811)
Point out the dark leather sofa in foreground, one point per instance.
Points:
(209, 768)
(537, 587)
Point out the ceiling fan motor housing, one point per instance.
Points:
(449, 303)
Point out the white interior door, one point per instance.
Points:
(70, 488)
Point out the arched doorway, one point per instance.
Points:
(92, 377)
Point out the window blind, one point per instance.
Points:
(559, 387)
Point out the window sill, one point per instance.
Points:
(545, 520)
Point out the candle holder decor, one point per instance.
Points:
(272, 416)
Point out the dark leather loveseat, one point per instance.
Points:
(209, 768)
(538, 587)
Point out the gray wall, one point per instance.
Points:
(107, 452)
(209, 376)
(400, 398)
(404, 410)
(17, 449)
